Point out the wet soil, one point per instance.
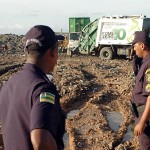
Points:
(95, 94)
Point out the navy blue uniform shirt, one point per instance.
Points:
(24, 106)
(142, 85)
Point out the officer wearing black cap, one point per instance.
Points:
(30, 110)
(141, 91)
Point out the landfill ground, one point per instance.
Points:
(95, 94)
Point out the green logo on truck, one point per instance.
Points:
(119, 34)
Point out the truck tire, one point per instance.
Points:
(106, 53)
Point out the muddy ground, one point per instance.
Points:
(95, 94)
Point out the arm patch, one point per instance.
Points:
(147, 74)
(47, 97)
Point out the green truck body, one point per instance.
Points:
(76, 25)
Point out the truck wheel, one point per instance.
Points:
(106, 53)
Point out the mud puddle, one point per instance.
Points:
(72, 113)
(129, 135)
(66, 140)
(115, 119)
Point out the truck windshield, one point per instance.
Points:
(74, 36)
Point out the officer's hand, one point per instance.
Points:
(139, 128)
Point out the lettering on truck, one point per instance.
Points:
(117, 34)
(119, 31)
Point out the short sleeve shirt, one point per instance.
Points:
(30, 101)
(142, 86)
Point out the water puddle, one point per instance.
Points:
(114, 119)
(72, 113)
(129, 135)
(66, 140)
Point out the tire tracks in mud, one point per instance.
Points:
(92, 130)
(93, 124)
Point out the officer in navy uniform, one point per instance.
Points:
(141, 91)
(30, 110)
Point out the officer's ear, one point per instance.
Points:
(54, 50)
(26, 51)
(142, 46)
(51, 52)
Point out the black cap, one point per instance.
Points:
(141, 36)
(43, 35)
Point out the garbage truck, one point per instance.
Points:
(111, 36)
(76, 24)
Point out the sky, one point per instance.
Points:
(18, 16)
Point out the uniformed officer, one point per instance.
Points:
(30, 110)
(141, 90)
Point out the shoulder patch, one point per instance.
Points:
(147, 73)
(147, 88)
(47, 97)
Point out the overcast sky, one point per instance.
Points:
(17, 16)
